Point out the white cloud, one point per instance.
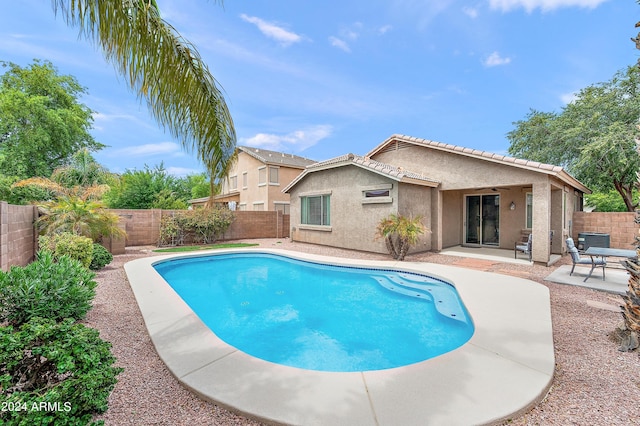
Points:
(544, 5)
(471, 12)
(148, 149)
(384, 29)
(495, 60)
(567, 98)
(340, 44)
(106, 121)
(182, 171)
(273, 31)
(297, 141)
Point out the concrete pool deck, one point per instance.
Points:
(505, 368)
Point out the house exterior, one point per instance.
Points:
(465, 197)
(256, 179)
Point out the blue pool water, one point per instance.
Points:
(320, 317)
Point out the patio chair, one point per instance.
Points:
(593, 261)
(523, 247)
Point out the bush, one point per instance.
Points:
(101, 257)
(54, 373)
(46, 288)
(196, 226)
(75, 246)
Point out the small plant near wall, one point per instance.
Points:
(629, 331)
(400, 233)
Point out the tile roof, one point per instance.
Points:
(393, 172)
(277, 158)
(484, 155)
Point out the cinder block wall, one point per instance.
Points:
(621, 227)
(18, 239)
(142, 226)
(258, 224)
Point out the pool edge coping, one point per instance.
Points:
(500, 379)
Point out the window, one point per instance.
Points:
(282, 207)
(273, 176)
(262, 176)
(233, 183)
(242, 206)
(529, 206)
(315, 210)
(244, 180)
(258, 206)
(376, 193)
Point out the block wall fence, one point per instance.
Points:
(621, 227)
(143, 227)
(18, 239)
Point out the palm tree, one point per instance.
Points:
(163, 68)
(83, 171)
(76, 210)
(400, 233)
(630, 332)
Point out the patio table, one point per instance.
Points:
(605, 251)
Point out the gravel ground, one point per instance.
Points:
(594, 384)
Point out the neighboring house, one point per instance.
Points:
(256, 179)
(465, 196)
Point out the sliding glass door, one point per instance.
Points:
(482, 225)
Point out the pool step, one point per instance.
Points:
(445, 299)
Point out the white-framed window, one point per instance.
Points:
(315, 210)
(273, 175)
(258, 206)
(262, 176)
(529, 210)
(376, 194)
(242, 206)
(233, 183)
(245, 180)
(282, 207)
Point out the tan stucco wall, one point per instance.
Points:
(453, 212)
(353, 224)
(269, 194)
(456, 171)
(413, 201)
(466, 176)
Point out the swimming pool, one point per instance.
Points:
(505, 368)
(321, 317)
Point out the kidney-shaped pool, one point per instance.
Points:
(317, 316)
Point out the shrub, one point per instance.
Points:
(197, 226)
(54, 373)
(46, 288)
(400, 233)
(101, 257)
(75, 246)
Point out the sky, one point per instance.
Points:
(321, 79)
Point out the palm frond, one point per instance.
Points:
(163, 68)
(43, 183)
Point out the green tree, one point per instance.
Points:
(82, 170)
(608, 201)
(147, 189)
(76, 210)
(164, 69)
(42, 123)
(594, 137)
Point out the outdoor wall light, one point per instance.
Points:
(512, 206)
